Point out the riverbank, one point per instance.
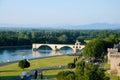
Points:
(9, 47)
(12, 62)
(11, 71)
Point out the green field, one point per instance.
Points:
(12, 70)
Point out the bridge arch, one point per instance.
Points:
(66, 47)
(44, 46)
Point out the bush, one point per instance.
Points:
(66, 75)
(71, 65)
(24, 64)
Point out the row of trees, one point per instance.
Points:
(13, 38)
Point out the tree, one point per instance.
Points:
(24, 64)
(103, 34)
(89, 71)
(41, 75)
(66, 75)
(62, 38)
(94, 48)
(111, 40)
(36, 74)
(93, 72)
(71, 65)
(80, 70)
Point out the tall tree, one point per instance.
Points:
(94, 48)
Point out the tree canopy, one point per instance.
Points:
(94, 48)
(16, 38)
(24, 64)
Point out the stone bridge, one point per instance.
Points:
(76, 47)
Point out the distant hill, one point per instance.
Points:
(96, 26)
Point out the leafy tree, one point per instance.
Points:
(41, 75)
(93, 72)
(94, 48)
(36, 74)
(103, 34)
(89, 71)
(71, 65)
(62, 38)
(24, 64)
(111, 40)
(66, 75)
(80, 70)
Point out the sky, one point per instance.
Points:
(49, 12)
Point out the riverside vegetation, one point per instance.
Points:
(17, 38)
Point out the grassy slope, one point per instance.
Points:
(12, 70)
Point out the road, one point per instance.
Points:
(31, 73)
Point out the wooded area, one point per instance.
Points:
(16, 38)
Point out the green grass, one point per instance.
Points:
(107, 66)
(51, 74)
(10, 71)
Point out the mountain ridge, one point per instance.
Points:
(82, 27)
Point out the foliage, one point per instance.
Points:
(94, 48)
(110, 41)
(66, 75)
(88, 71)
(62, 38)
(71, 65)
(15, 38)
(24, 64)
(80, 70)
(41, 75)
(36, 74)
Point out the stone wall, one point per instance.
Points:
(114, 60)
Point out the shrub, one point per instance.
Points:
(71, 65)
(24, 64)
(66, 75)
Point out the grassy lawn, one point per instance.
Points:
(51, 74)
(107, 66)
(12, 70)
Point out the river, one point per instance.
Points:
(18, 53)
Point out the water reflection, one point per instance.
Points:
(19, 54)
(51, 53)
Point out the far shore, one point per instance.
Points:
(16, 46)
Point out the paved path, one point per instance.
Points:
(31, 73)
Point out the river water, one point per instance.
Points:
(13, 53)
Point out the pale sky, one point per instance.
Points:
(73, 12)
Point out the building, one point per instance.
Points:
(114, 59)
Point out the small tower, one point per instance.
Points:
(77, 46)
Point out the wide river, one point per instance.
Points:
(19, 53)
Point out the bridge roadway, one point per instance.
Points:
(55, 47)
